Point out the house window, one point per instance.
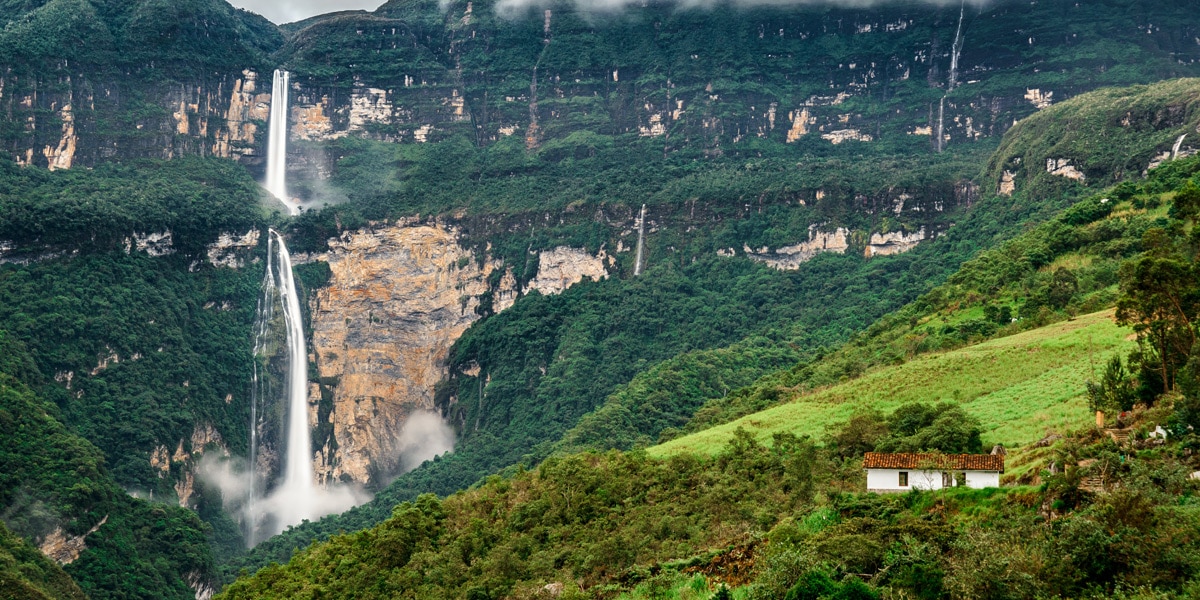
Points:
(903, 479)
(947, 479)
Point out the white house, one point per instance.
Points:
(903, 472)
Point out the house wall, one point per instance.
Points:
(888, 480)
(983, 479)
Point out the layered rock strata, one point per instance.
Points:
(398, 298)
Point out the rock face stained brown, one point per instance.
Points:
(398, 298)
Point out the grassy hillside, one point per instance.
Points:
(1020, 387)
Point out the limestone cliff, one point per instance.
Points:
(896, 242)
(791, 257)
(563, 267)
(398, 298)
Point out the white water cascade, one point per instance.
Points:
(641, 244)
(277, 142)
(298, 464)
(296, 497)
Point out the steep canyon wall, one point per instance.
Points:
(713, 79)
(398, 298)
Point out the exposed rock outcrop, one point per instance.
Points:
(846, 135)
(63, 156)
(231, 250)
(789, 258)
(896, 242)
(800, 122)
(564, 267)
(1008, 183)
(1039, 99)
(65, 549)
(247, 104)
(1063, 168)
(398, 297)
(154, 244)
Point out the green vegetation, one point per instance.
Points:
(142, 351)
(772, 522)
(688, 382)
(25, 574)
(99, 209)
(110, 353)
(53, 480)
(1094, 522)
(1021, 386)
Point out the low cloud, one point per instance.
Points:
(278, 510)
(513, 7)
(424, 436)
(297, 10)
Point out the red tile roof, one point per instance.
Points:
(956, 462)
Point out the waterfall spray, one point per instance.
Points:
(260, 391)
(1178, 145)
(268, 509)
(637, 265)
(277, 142)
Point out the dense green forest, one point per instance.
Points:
(110, 352)
(53, 480)
(787, 518)
(789, 337)
(121, 345)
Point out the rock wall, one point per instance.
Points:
(398, 298)
(399, 76)
(791, 257)
(67, 124)
(896, 242)
(563, 267)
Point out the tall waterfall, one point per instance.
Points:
(637, 265)
(260, 393)
(277, 142)
(296, 496)
(298, 463)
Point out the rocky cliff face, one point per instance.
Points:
(418, 72)
(398, 298)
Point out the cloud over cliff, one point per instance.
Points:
(290, 11)
(513, 6)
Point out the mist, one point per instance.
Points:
(424, 436)
(272, 514)
(514, 7)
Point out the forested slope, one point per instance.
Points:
(787, 518)
(834, 297)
